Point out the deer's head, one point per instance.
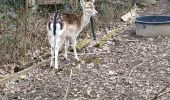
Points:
(88, 7)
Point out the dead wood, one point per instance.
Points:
(16, 75)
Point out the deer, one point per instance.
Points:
(65, 28)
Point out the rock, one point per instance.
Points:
(111, 73)
(2, 71)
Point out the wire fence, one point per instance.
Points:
(23, 34)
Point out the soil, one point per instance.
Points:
(128, 67)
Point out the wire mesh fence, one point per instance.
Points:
(23, 34)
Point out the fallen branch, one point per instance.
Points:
(83, 43)
(135, 68)
(108, 37)
(160, 93)
(16, 75)
(104, 39)
(163, 93)
(71, 72)
(94, 53)
(83, 98)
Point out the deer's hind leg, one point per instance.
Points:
(74, 42)
(66, 48)
(52, 57)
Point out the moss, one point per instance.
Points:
(142, 5)
(167, 56)
(81, 44)
(104, 39)
(78, 62)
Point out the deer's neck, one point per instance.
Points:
(85, 20)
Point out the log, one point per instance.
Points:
(17, 75)
(167, 56)
(104, 39)
(83, 43)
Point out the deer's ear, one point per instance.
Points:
(82, 2)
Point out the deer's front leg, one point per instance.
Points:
(74, 48)
(58, 44)
(66, 48)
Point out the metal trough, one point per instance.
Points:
(150, 26)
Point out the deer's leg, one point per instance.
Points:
(52, 57)
(51, 42)
(66, 47)
(58, 44)
(56, 53)
(74, 48)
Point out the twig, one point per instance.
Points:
(130, 40)
(99, 53)
(71, 72)
(40, 57)
(134, 68)
(83, 98)
(160, 93)
(164, 93)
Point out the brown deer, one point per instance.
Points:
(64, 27)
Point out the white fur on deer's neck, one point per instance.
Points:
(85, 20)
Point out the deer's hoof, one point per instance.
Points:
(51, 66)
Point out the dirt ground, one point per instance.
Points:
(128, 67)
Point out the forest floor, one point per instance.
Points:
(127, 67)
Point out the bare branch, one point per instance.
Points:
(71, 72)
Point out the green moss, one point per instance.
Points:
(78, 62)
(142, 5)
(104, 39)
(167, 56)
(81, 44)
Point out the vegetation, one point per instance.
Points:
(23, 31)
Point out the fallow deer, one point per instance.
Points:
(64, 27)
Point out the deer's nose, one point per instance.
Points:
(96, 13)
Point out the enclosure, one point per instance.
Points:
(118, 65)
(23, 32)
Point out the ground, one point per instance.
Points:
(127, 67)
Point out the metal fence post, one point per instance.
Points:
(93, 29)
(133, 2)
